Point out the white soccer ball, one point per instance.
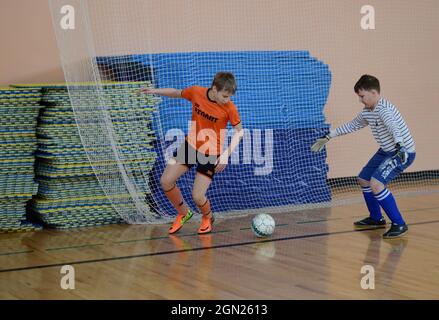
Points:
(263, 225)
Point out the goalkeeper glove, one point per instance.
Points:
(320, 143)
(401, 152)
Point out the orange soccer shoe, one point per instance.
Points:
(206, 223)
(179, 221)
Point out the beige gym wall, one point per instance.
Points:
(29, 52)
(401, 51)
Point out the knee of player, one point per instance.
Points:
(166, 183)
(198, 198)
(376, 186)
(362, 182)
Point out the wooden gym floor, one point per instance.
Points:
(314, 254)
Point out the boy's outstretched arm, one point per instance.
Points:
(356, 124)
(167, 92)
(224, 157)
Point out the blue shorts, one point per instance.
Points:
(385, 166)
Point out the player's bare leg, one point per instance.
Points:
(363, 183)
(376, 186)
(201, 184)
(172, 173)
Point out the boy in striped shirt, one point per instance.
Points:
(396, 153)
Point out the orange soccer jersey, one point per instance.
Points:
(209, 119)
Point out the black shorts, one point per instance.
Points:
(189, 157)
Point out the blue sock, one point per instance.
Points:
(388, 203)
(372, 204)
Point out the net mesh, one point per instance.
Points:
(286, 66)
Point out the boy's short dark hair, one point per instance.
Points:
(368, 83)
(225, 81)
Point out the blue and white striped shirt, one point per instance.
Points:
(387, 125)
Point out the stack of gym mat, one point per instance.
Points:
(69, 193)
(18, 120)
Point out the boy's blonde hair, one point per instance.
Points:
(225, 81)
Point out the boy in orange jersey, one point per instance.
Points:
(212, 109)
